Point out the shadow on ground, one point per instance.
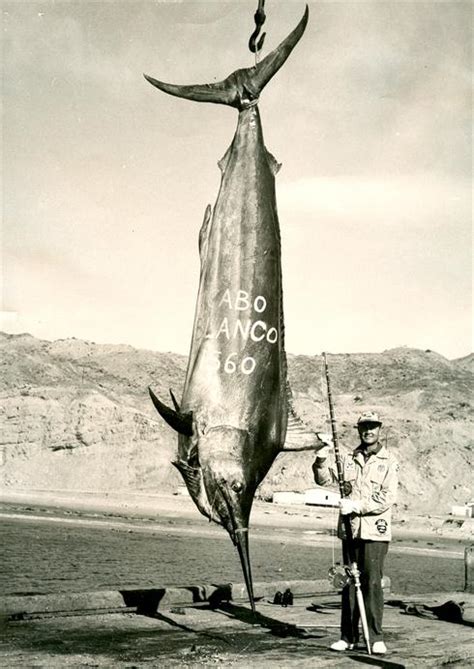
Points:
(276, 627)
(112, 640)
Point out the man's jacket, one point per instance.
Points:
(373, 483)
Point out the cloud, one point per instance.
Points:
(419, 200)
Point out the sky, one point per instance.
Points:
(105, 179)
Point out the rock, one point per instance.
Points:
(76, 415)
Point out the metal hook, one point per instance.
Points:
(259, 18)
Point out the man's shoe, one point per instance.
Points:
(341, 645)
(379, 648)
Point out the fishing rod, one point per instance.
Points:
(353, 568)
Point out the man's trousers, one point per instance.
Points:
(370, 557)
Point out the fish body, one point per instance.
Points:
(236, 377)
(232, 419)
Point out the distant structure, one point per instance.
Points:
(464, 510)
(311, 497)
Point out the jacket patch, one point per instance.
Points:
(350, 473)
(381, 526)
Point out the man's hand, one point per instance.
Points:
(321, 455)
(325, 438)
(348, 506)
(325, 445)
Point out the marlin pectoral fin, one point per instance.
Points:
(299, 435)
(175, 401)
(193, 479)
(242, 86)
(181, 422)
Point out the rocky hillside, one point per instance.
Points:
(76, 415)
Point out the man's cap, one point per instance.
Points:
(369, 417)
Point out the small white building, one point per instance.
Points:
(311, 497)
(464, 511)
(288, 497)
(321, 497)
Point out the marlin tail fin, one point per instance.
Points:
(242, 86)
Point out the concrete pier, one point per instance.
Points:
(203, 626)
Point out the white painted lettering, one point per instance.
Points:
(239, 327)
(272, 335)
(242, 301)
(260, 304)
(226, 299)
(224, 328)
(229, 365)
(260, 324)
(248, 365)
(213, 360)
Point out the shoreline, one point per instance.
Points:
(312, 538)
(176, 512)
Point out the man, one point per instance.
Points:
(370, 482)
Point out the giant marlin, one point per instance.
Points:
(236, 407)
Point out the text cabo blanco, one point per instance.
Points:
(256, 330)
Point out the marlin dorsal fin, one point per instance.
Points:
(204, 234)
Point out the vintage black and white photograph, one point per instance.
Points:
(236, 332)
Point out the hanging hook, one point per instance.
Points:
(259, 18)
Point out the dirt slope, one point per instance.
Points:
(76, 415)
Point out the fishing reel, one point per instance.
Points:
(339, 576)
